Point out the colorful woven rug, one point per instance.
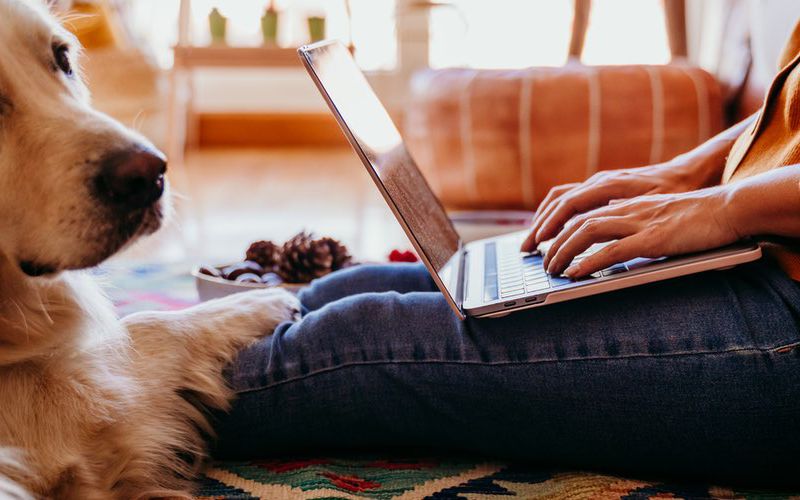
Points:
(383, 477)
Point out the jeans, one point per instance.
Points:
(696, 376)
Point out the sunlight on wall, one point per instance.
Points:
(374, 33)
(155, 24)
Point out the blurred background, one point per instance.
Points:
(551, 90)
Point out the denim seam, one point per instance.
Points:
(749, 350)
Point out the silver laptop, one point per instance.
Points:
(486, 278)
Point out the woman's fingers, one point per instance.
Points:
(569, 228)
(553, 195)
(593, 230)
(575, 202)
(545, 207)
(564, 202)
(619, 251)
(574, 225)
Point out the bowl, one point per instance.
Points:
(210, 287)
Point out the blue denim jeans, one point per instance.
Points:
(695, 376)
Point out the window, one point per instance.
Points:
(626, 32)
(500, 33)
(522, 33)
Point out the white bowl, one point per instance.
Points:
(210, 287)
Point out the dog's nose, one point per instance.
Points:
(133, 179)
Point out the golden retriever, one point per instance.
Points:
(93, 407)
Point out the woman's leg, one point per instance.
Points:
(698, 375)
(401, 278)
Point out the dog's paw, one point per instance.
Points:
(276, 306)
(268, 308)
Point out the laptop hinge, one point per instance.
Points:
(461, 277)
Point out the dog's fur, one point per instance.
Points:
(91, 407)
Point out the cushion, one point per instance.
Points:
(502, 139)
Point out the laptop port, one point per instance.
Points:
(531, 300)
(509, 304)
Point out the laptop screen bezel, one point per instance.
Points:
(456, 260)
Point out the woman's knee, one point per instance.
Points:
(372, 326)
(364, 279)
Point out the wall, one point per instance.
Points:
(713, 37)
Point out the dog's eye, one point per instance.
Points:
(61, 54)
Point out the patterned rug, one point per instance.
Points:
(384, 477)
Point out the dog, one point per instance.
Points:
(91, 406)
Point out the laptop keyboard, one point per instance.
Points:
(510, 274)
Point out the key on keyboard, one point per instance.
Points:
(509, 273)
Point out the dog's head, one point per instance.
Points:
(75, 185)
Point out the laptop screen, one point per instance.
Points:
(373, 132)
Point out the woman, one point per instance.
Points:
(696, 376)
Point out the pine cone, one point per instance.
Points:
(341, 256)
(266, 253)
(304, 259)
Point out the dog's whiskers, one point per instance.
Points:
(25, 324)
(138, 120)
(44, 309)
(180, 196)
(66, 18)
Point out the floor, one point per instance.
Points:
(226, 198)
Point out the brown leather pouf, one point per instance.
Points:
(502, 139)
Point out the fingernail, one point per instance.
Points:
(571, 271)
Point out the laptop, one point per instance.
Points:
(485, 278)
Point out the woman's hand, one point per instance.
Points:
(648, 226)
(695, 169)
(564, 202)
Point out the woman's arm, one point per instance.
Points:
(766, 204)
(672, 224)
(700, 167)
(705, 163)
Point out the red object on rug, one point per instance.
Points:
(406, 256)
(351, 483)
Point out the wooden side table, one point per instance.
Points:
(182, 122)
